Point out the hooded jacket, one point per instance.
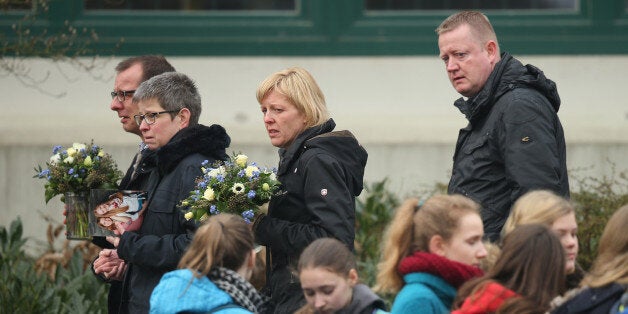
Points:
(514, 142)
(179, 291)
(165, 234)
(321, 173)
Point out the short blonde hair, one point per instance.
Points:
(540, 207)
(300, 88)
(479, 24)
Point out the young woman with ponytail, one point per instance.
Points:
(429, 251)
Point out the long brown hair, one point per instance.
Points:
(532, 264)
(412, 228)
(223, 240)
(612, 259)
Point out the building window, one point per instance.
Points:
(192, 5)
(395, 5)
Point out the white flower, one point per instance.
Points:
(79, 146)
(69, 160)
(209, 194)
(238, 188)
(189, 215)
(249, 170)
(214, 172)
(273, 177)
(240, 160)
(54, 159)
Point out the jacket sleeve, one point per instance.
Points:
(530, 145)
(329, 203)
(159, 249)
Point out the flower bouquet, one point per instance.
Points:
(71, 173)
(234, 186)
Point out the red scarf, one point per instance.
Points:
(452, 272)
(486, 300)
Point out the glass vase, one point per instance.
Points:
(77, 216)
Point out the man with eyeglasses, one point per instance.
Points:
(131, 73)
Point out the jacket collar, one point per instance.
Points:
(210, 141)
(289, 154)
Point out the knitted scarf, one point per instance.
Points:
(452, 272)
(241, 291)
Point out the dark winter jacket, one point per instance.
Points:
(592, 300)
(138, 182)
(164, 235)
(364, 301)
(514, 142)
(321, 173)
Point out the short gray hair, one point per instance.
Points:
(173, 91)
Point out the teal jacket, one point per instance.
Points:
(178, 291)
(424, 293)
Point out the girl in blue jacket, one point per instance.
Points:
(214, 272)
(429, 251)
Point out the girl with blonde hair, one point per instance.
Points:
(546, 208)
(429, 251)
(213, 273)
(607, 279)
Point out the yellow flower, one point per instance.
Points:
(185, 203)
(249, 170)
(69, 160)
(88, 161)
(265, 187)
(189, 215)
(204, 217)
(101, 153)
(240, 160)
(209, 194)
(71, 151)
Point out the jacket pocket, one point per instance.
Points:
(478, 150)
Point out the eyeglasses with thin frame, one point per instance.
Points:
(150, 117)
(122, 94)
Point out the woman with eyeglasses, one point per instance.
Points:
(169, 108)
(430, 250)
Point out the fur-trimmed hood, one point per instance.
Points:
(210, 141)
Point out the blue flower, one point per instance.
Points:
(220, 178)
(251, 194)
(202, 184)
(205, 162)
(241, 173)
(56, 149)
(44, 173)
(213, 210)
(248, 215)
(95, 149)
(71, 171)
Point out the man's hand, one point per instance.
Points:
(110, 265)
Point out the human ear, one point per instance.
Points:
(437, 245)
(184, 114)
(353, 277)
(491, 50)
